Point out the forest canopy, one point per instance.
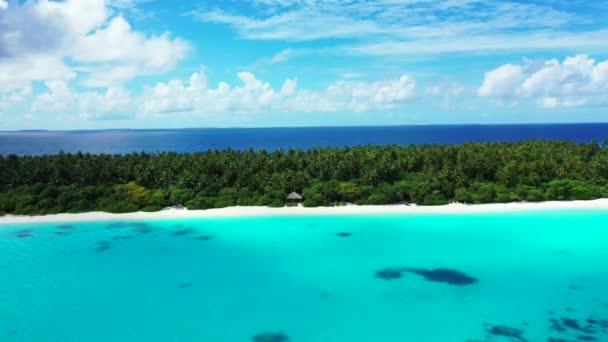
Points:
(427, 175)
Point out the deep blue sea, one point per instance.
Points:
(510, 277)
(196, 140)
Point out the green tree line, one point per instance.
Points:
(536, 170)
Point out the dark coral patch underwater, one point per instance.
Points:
(444, 275)
(506, 331)
(103, 246)
(389, 273)
(182, 232)
(204, 238)
(140, 227)
(575, 325)
(25, 233)
(271, 337)
(344, 234)
(438, 275)
(586, 330)
(115, 225)
(65, 226)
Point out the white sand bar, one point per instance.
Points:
(454, 208)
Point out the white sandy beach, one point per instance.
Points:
(454, 208)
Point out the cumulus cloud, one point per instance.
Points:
(502, 81)
(114, 103)
(14, 97)
(62, 39)
(20, 72)
(117, 42)
(447, 93)
(254, 95)
(575, 82)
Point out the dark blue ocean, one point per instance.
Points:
(195, 140)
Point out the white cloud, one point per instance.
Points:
(414, 27)
(62, 39)
(312, 20)
(282, 56)
(575, 82)
(3, 4)
(476, 42)
(117, 42)
(19, 72)
(254, 95)
(502, 81)
(447, 93)
(14, 97)
(115, 103)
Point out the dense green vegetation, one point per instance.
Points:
(428, 175)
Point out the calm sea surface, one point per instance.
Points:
(195, 140)
(539, 276)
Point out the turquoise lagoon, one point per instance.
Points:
(533, 276)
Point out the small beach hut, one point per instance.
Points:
(294, 197)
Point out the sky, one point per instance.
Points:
(100, 64)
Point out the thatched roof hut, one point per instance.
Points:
(294, 196)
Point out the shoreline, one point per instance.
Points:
(397, 209)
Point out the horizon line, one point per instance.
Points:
(302, 127)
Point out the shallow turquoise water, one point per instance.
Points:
(229, 279)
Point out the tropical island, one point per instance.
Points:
(531, 171)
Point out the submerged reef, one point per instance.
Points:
(204, 238)
(25, 233)
(115, 225)
(64, 229)
(65, 226)
(438, 275)
(271, 337)
(575, 325)
(182, 232)
(586, 330)
(444, 275)
(389, 273)
(141, 227)
(103, 246)
(506, 331)
(344, 234)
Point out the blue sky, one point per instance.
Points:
(164, 64)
